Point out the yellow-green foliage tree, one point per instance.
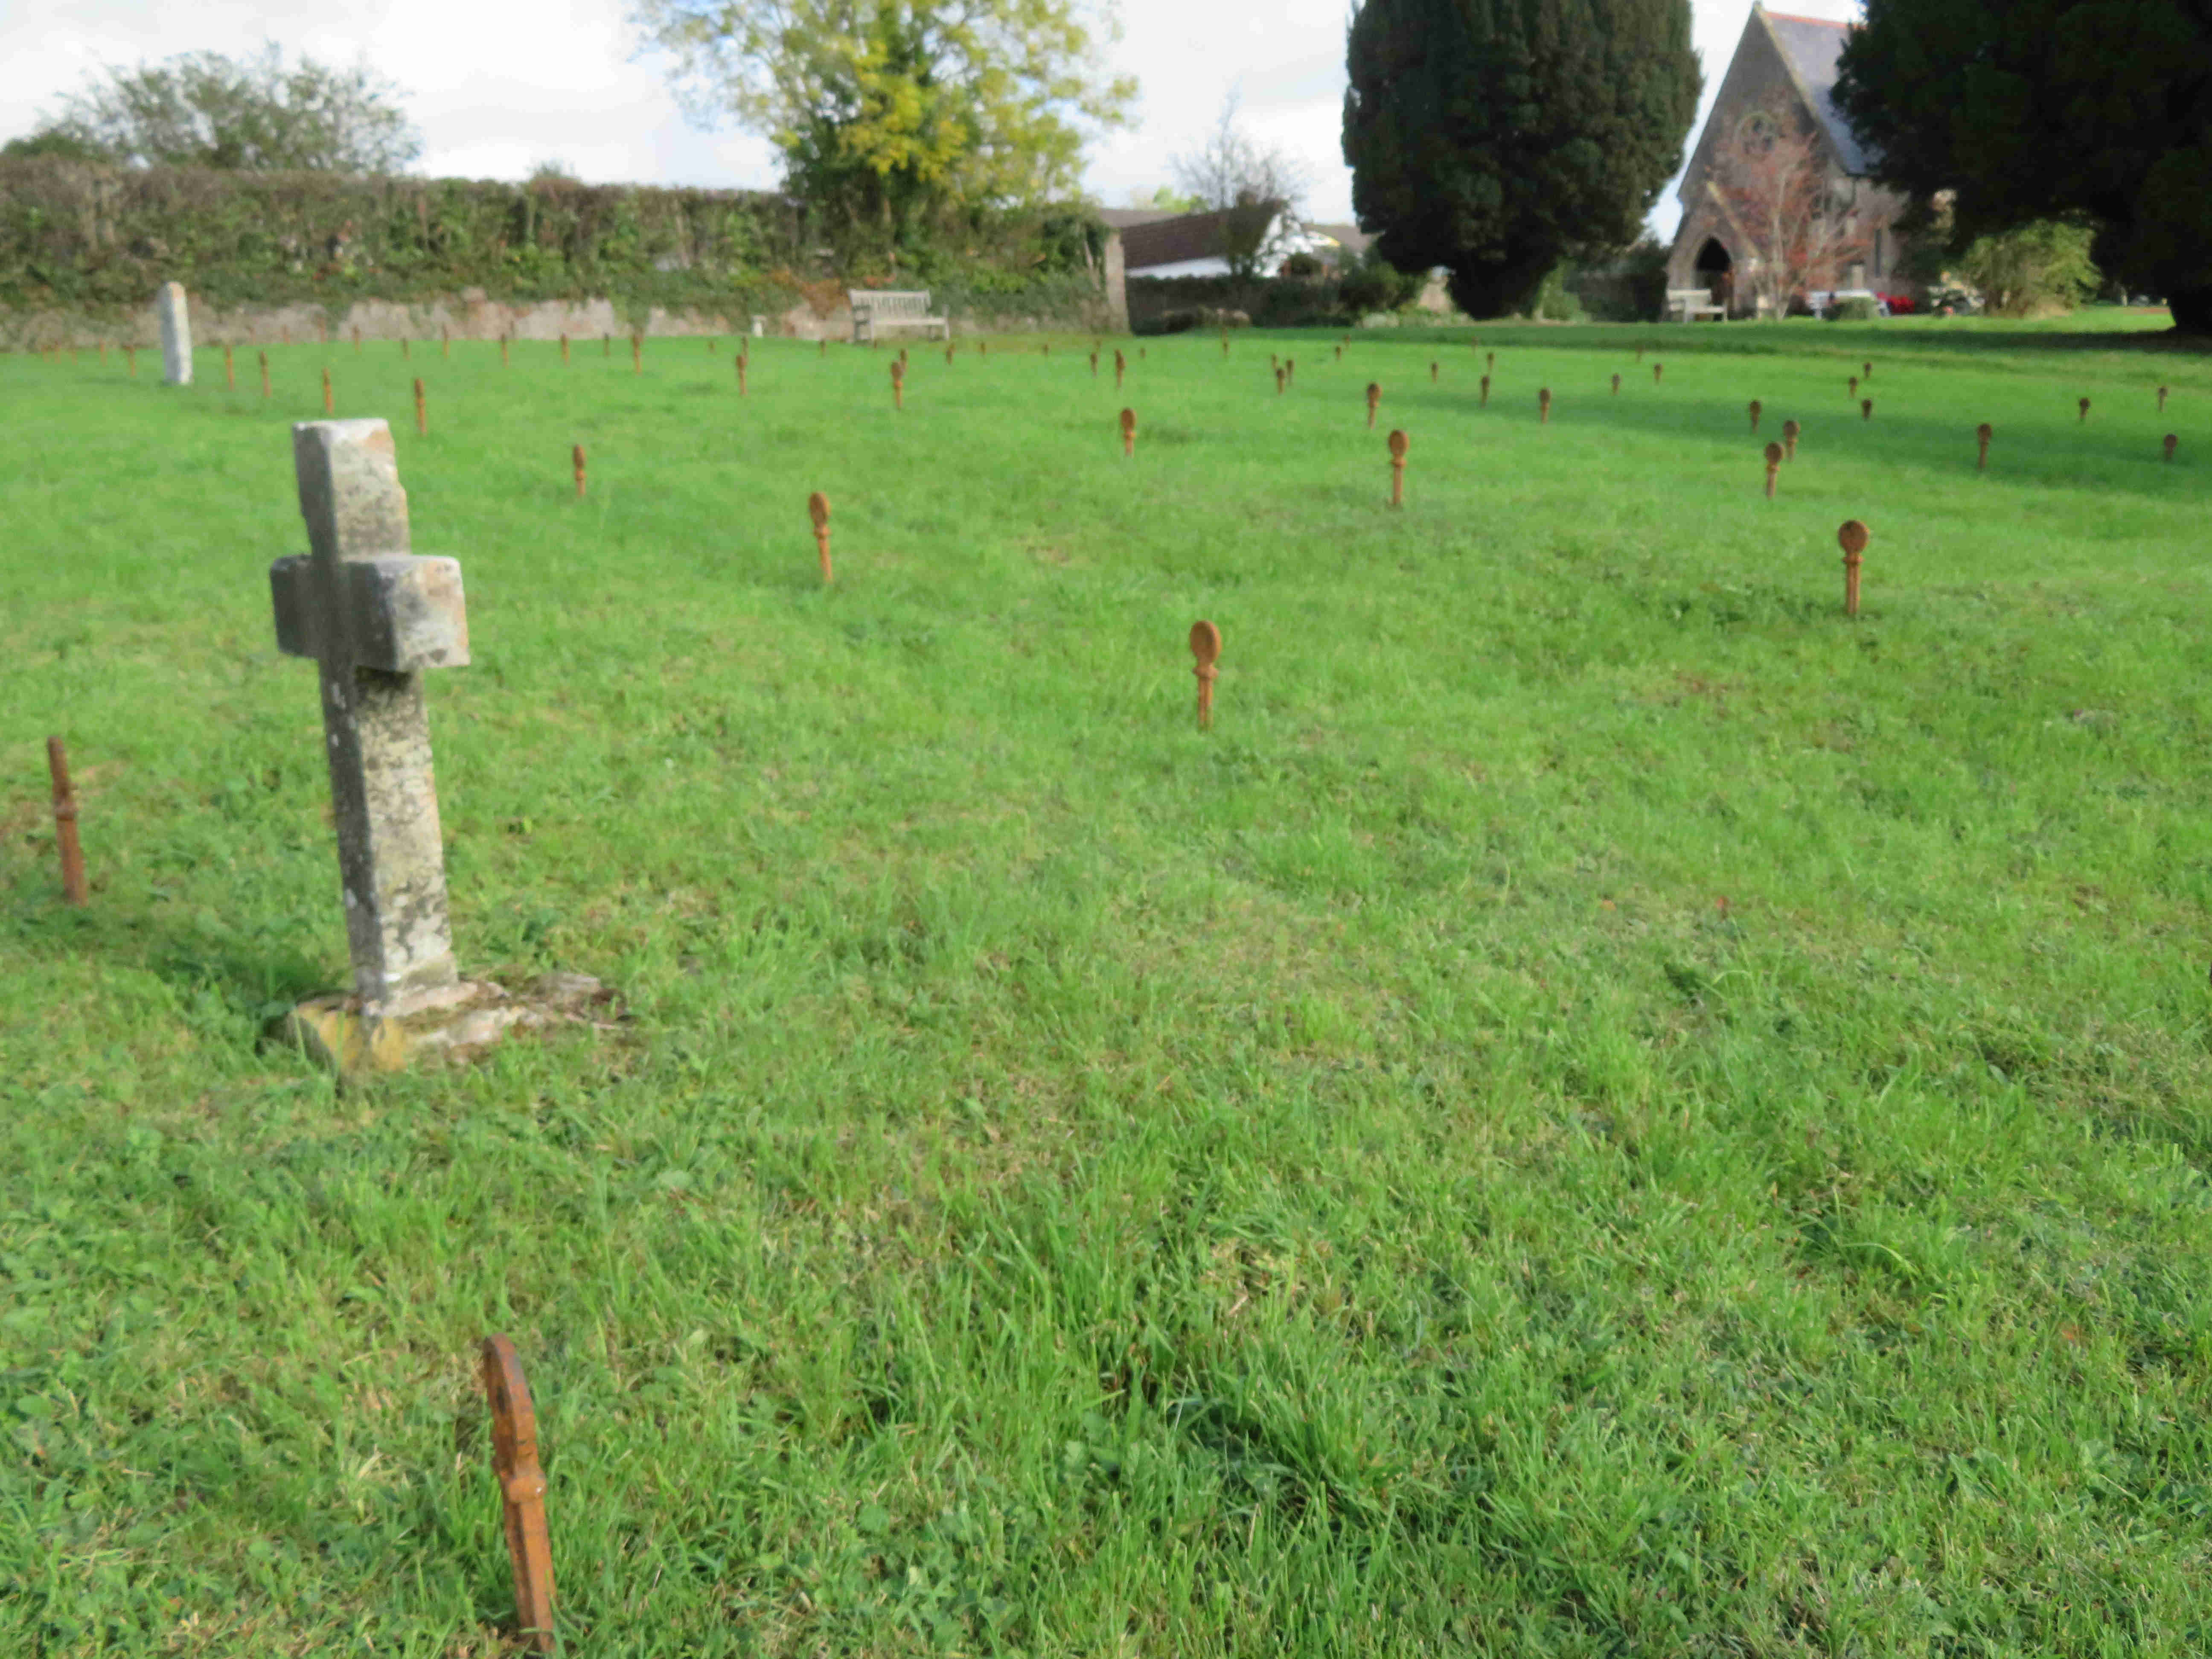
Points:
(889, 113)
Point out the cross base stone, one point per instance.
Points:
(451, 1025)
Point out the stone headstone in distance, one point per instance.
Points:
(176, 321)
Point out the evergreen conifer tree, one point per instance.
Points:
(2029, 109)
(1496, 138)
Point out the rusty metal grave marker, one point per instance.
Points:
(502, 351)
(406, 348)
(1616, 386)
(1852, 539)
(1490, 362)
(1433, 371)
(1129, 432)
(1866, 409)
(1756, 411)
(743, 363)
(1205, 647)
(327, 410)
(2161, 400)
(1867, 370)
(1486, 391)
(1374, 402)
(65, 840)
(1094, 365)
(1983, 434)
(1119, 365)
(445, 341)
(1398, 446)
(1789, 431)
(817, 510)
(564, 351)
(1278, 379)
(1657, 370)
(898, 383)
(1854, 384)
(637, 353)
(2085, 411)
(131, 358)
(1773, 467)
(576, 462)
(229, 375)
(521, 1491)
(422, 414)
(1543, 405)
(1290, 371)
(2172, 440)
(264, 374)
(357, 343)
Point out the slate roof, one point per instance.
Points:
(1813, 46)
(1172, 241)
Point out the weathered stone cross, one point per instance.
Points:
(373, 616)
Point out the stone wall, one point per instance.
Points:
(470, 316)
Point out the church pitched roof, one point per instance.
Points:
(1813, 47)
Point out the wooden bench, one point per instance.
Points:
(1692, 303)
(880, 307)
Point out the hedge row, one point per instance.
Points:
(98, 241)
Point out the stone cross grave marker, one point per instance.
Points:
(1205, 647)
(1398, 446)
(176, 335)
(373, 616)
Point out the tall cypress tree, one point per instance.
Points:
(1496, 138)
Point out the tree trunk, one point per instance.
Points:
(2192, 310)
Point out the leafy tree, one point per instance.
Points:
(888, 112)
(1497, 136)
(1254, 183)
(2047, 109)
(48, 142)
(253, 115)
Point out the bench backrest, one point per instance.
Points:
(1689, 294)
(887, 302)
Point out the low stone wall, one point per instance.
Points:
(470, 316)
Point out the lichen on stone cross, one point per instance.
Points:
(373, 615)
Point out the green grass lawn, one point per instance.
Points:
(1602, 1109)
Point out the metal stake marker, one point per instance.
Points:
(1866, 409)
(1852, 539)
(1119, 365)
(817, 510)
(1982, 436)
(637, 353)
(898, 383)
(65, 841)
(1486, 391)
(1543, 405)
(2085, 411)
(422, 414)
(357, 343)
(564, 351)
(1205, 647)
(1657, 370)
(229, 375)
(1278, 379)
(1774, 466)
(1129, 432)
(502, 351)
(1854, 384)
(521, 1491)
(2161, 397)
(130, 357)
(2171, 441)
(1374, 401)
(264, 374)
(1616, 386)
(1756, 411)
(1432, 372)
(328, 409)
(745, 363)
(1398, 446)
(445, 341)
(576, 461)
(1789, 431)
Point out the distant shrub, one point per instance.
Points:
(1555, 301)
(2038, 268)
(1304, 266)
(1854, 311)
(1373, 283)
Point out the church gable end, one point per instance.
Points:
(1778, 55)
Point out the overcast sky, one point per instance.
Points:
(498, 87)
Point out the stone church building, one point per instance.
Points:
(1789, 64)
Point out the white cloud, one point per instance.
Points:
(497, 88)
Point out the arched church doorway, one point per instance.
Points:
(1717, 272)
